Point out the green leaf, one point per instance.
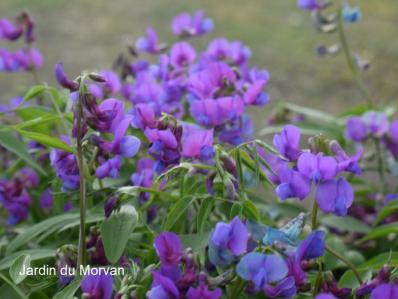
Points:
(204, 212)
(388, 209)
(250, 210)
(347, 223)
(38, 121)
(19, 265)
(176, 211)
(197, 242)
(69, 291)
(17, 290)
(35, 231)
(115, 231)
(11, 143)
(236, 209)
(348, 279)
(35, 254)
(33, 92)
(46, 140)
(380, 260)
(381, 231)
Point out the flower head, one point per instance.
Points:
(97, 286)
(187, 25)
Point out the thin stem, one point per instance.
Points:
(345, 261)
(349, 59)
(317, 281)
(82, 189)
(314, 215)
(380, 166)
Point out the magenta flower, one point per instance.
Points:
(97, 286)
(186, 25)
(255, 94)
(309, 4)
(196, 142)
(182, 54)
(10, 31)
(143, 116)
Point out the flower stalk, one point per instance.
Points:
(82, 190)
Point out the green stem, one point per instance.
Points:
(349, 59)
(345, 261)
(380, 166)
(317, 281)
(314, 215)
(82, 190)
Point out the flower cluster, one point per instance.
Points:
(178, 273)
(296, 170)
(27, 58)
(374, 124)
(14, 195)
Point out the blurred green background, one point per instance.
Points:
(89, 34)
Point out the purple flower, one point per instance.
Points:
(317, 167)
(292, 184)
(385, 291)
(97, 286)
(376, 122)
(163, 288)
(46, 200)
(143, 117)
(182, 54)
(143, 176)
(311, 247)
(261, 269)
(335, 196)
(393, 131)
(187, 26)
(288, 142)
(212, 113)
(149, 44)
(109, 168)
(325, 296)
(202, 292)
(10, 31)
(255, 95)
(196, 142)
(286, 288)
(308, 4)
(345, 162)
(228, 241)
(169, 248)
(356, 129)
(63, 80)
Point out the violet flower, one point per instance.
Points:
(163, 288)
(288, 142)
(385, 291)
(109, 168)
(10, 31)
(63, 80)
(228, 241)
(197, 143)
(186, 25)
(356, 129)
(97, 286)
(169, 248)
(182, 54)
(325, 296)
(202, 292)
(149, 44)
(309, 4)
(46, 200)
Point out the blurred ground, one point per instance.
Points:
(89, 34)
